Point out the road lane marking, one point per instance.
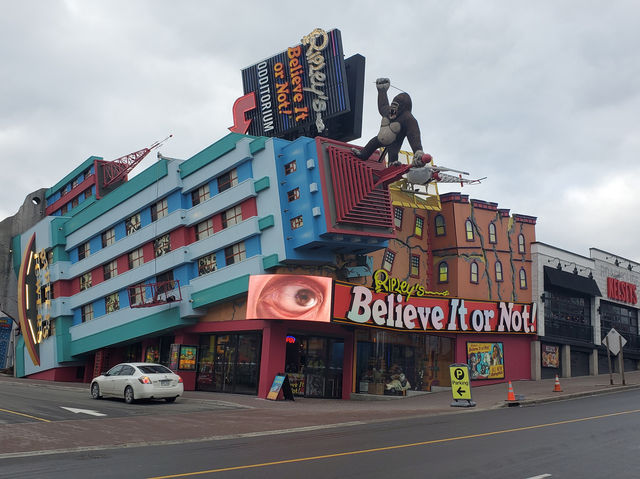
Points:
(91, 412)
(541, 476)
(25, 415)
(398, 446)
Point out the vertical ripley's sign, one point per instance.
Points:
(298, 88)
(398, 310)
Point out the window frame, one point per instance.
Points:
(115, 303)
(388, 253)
(224, 184)
(443, 271)
(84, 251)
(136, 258)
(159, 209)
(474, 272)
(204, 267)
(201, 194)
(414, 265)
(86, 312)
(498, 272)
(162, 245)
(523, 278)
(208, 230)
(398, 214)
(237, 256)
(85, 281)
(132, 224)
(493, 238)
(234, 219)
(521, 244)
(110, 269)
(440, 225)
(108, 237)
(415, 227)
(468, 230)
(296, 222)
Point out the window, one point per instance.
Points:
(200, 195)
(85, 281)
(290, 168)
(112, 303)
(207, 264)
(468, 227)
(83, 251)
(162, 245)
(521, 243)
(132, 223)
(86, 312)
(159, 210)
(235, 254)
(74, 183)
(136, 258)
(75, 202)
(63, 210)
(204, 229)
(474, 272)
(108, 237)
(397, 216)
(232, 216)
(440, 228)
(498, 271)
(387, 260)
(443, 272)
(419, 226)
(296, 222)
(87, 193)
(415, 265)
(523, 279)
(228, 180)
(294, 194)
(165, 282)
(492, 233)
(136, 294)
(110, 269)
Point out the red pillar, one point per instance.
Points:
(272, 360)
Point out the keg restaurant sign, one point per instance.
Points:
(400, 311)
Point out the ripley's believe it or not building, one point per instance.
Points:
(279, 251)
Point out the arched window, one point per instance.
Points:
(468, 226)
(443, 272)
(498, 271)
(492, 233)
(521, 243)
(474, 272)
(440, 226)
(523, 279)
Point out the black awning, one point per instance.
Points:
(570, 281)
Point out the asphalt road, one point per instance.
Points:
(594, 437)
(24, 402)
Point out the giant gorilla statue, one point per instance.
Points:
(397, 123)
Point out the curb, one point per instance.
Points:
(563, 397)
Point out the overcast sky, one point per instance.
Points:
(540, 97)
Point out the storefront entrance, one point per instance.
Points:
(397, 363)
(229, 363)
(314, 366)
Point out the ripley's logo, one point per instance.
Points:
(434, 314)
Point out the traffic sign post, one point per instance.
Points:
(461, 386)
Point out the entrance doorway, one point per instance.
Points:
(314, 366)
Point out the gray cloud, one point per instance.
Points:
(541, 98)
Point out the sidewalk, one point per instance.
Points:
(261, 417)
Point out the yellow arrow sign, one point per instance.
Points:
(460, 384)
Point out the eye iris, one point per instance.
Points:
(305, 297)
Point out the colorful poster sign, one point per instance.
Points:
(5, 337)
(174, 356)
(299, 88)
(398, 307)
(486, 360)
(188, 356)
(287, 296)
(550, 356)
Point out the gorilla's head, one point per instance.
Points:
(400, 104)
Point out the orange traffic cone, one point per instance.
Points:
(511, 395)
(556, 387)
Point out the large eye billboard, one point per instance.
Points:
(288, 296)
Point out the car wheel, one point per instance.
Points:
(173, 399)
(95, 391)
(128, 395)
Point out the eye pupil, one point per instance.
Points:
(304, 296)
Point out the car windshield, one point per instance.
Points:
(154, 369)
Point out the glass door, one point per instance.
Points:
(223, 363)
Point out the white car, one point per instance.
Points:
(133, 381)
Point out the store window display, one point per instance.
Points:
(389, 363)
